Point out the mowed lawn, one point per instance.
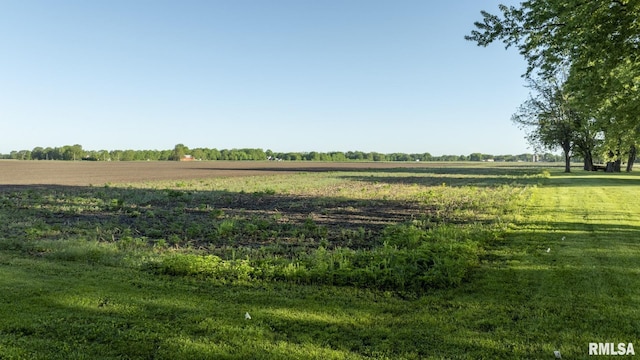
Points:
(565, 274)
(577, 254)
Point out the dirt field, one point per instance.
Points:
(337, 216)
(84, 173)
(340, 214)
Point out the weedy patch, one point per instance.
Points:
(405, 231)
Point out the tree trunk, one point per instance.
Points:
(614, 166)
(609, 166)
(632, 158)
(617, 165)
(567, 161)
(588, 161)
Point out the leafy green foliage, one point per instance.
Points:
(76, 152)
(597, 42)
(410, 260)
(204, 266)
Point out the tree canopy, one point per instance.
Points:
(597, 41)
(76, 152)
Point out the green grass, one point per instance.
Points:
(81, 279)
(585, 288)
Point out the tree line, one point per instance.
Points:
(76, 152)
(583, 71)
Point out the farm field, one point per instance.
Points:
(343, 261)
(84, 173)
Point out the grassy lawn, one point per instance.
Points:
(571, 264)
(555, 266)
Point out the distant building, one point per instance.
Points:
(187, 158)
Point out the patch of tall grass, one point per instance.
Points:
(409, 259)
(406, 259)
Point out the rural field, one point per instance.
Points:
(86, 173)
(294, 260)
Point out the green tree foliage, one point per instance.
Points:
(73, 152)
(548, 118)
(247, 154)
(599, 36)
(179, 151)
(597, 41)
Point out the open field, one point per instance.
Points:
(84, 173)
(436, 261)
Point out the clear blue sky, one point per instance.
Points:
(286, 75)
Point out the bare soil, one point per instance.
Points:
(282, 217)
(344, 221)
(85, 173)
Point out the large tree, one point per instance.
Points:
(548, 118)
(595, 36)
(599, 41)
(587, 137)
(179, 151)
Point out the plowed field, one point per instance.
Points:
(84, 173)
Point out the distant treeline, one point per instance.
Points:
(181, 152)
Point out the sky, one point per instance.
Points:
(286, 75)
